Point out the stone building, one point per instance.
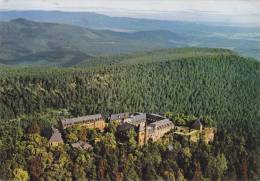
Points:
(141, 122)
(154, 117)
(147, 126)
(158, 129)
(196, 132)
(136, 122)
(56, 138)
(119, 117)
(90, 121)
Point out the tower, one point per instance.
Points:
(142, 133)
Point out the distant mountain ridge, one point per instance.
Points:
(27, 42)
(100, 21)
(245, 40)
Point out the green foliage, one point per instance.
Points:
(209, 82)
(132, 139)
(71, 138)
(220, 86)
(20, 174)
(227, 158)
(217, 166)
(34, 128)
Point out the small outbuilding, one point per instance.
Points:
(82, 145)
(56, 138)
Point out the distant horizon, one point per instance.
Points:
(233, 12)
(144, 18)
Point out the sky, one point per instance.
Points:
(227, 11)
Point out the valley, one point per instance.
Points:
(36, 38)
(30, 43)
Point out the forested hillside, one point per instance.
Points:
(189, 83)
(238, 38)
(25, 42)
(205, 81)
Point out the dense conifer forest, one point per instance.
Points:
(194, 82)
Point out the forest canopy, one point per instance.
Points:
(215, 83)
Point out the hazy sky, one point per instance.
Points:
(229, 11)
